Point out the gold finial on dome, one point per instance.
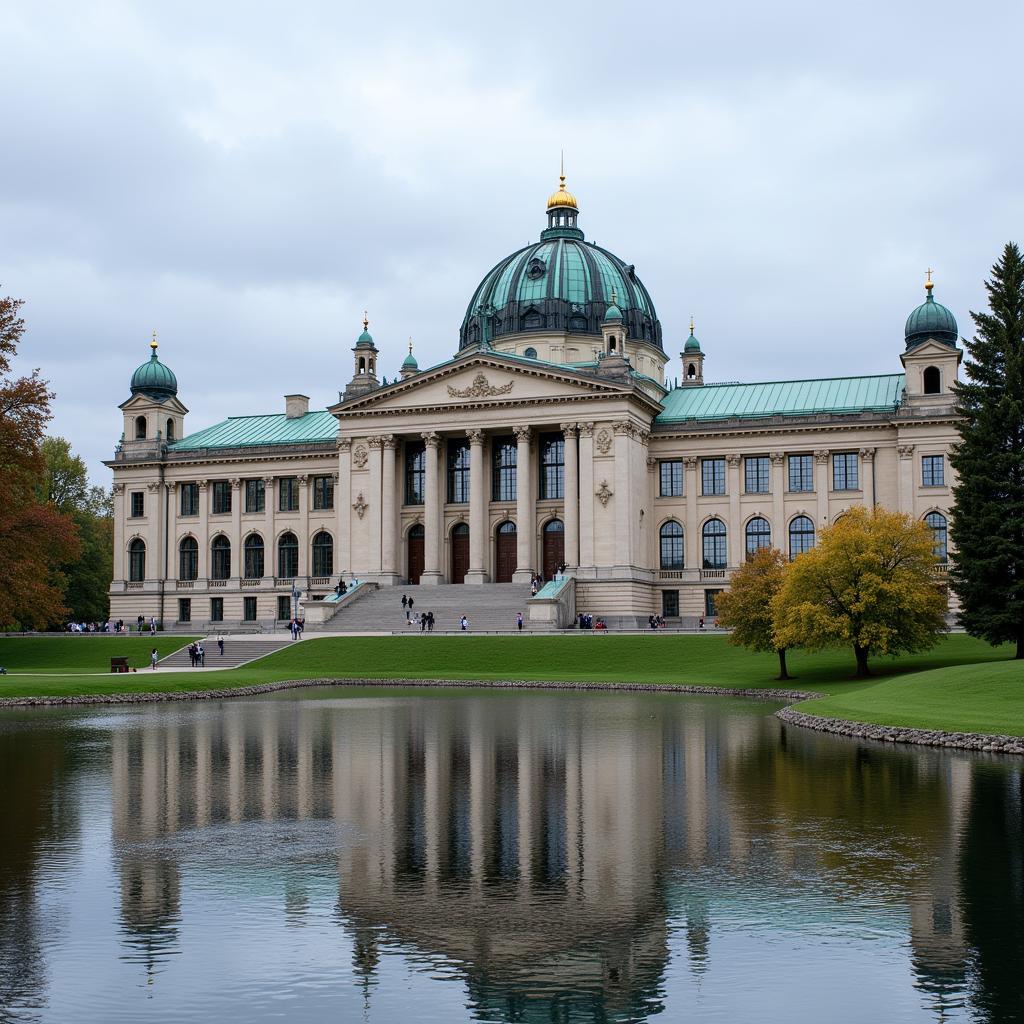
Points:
(366, 320)
(410, 344)
(153, 345)
(563, 197)
(929, 284)
(691, 325)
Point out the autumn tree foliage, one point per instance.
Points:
(746, 608)
(35, 538)
(869, 583)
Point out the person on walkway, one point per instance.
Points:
(411, 603)
(405, 603)
(152, 626)
(201, 655)
(700, 624)
(220, 644)
(192, 654)
(464, 624)
(423, 622)
(519, 621)
(430, 622)
(153, 659)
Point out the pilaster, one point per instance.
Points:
(623, 521)
(119, 539)
(204, 529)
(586, 496)
(342, 508)
(691, 541)
(303, 528)
(524, 507)
(269, 537)
(571, 506)
(432, 511)
(821, 486)
(867, 476)
(388, 510)
(906, 478)
(778, 499)
(735, 535)
(477, 509)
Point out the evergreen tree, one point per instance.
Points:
(988, 512)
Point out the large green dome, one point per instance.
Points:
(154, 379)
(561, 283)
(931, 320)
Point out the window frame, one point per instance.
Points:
(762, 538)
(220, 557)
(322, 542)
(551, 466)
(323, 493)
(504, 468)
(137, 505)
(293, 548)
(188, 505)
(249, 601)
(792, 532)
(457, 463)
(850, 471)
(928, 464)
(676, 478)
(671, 549)
(255, 496)
(191, 570)
(939, 548)
(719, 545)
(137, 560)
(249, 552)
(804, 472)
(216, 609)
(716, 476)
(288, 487)
(415, 473)
(220, 497)
(758, 463)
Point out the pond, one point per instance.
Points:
(394, 855)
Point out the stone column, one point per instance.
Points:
(691, 541)
(204, 531)
(236, 529)
(374, 557)
(778, 499)
(154, 531)
(388, 510)
(343, 508)
(735, 535)
(571, 502)
(120, 572)
(586, 470)
(303, 530)
(650, 533)
(432, 511)
(867, 476)
(269, 540)
(477, 509)
(525, 520)
(821, 485)
(906, 478)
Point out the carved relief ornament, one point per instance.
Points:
(344, 444)
(480, 388)
(360, 506)
(603, 493)
(359, 456)
(522, 434)
(603, 441)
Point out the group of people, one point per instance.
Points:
(196, 653)
(425, 620)
(656, 621)
(586, 621)
(296, 626)
(96, 627)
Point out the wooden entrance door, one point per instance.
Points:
(554, 547)
(505, 553)
(416, 536)
(460, 553)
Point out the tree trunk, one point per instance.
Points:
(783, 674)
(861, 654)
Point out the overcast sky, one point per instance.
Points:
(247, 178)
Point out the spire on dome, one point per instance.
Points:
(365, 339)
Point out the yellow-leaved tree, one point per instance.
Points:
(746, 607)
(870, 584)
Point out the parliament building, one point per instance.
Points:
(553, 437)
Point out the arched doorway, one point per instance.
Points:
(505, 553)
(416, 535)
(460, 552)
(554, 547)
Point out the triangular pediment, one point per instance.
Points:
(483, 379)
(143, 401)
(932, 349)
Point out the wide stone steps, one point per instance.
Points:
(488, 606)
(236, 652)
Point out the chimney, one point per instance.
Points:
(296, 406)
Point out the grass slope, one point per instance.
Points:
(82, 652)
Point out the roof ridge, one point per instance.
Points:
(798, 380)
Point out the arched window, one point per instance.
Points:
(220, 549)
(611, 343)
(714, 544)
(932, 380)
(937, 522)
(140, 428)
(533, 319)
(507, 527)
(759, 535)
(137, 560)
(671, 536)
(530, 353)
(691, 372)
(253, 549)
(188, 558)
(323, 554)
(288, 556)
(801, 536)
(362, 365)
(170, 429)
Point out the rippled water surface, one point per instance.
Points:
(452, 856)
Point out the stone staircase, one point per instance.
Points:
(237, 651)
(488, 606)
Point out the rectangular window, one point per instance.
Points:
(323, 492)
(671, 472)
(288, 494)
(284, 608)
(552, 466)
(801, 472)
(249, 609)
(255, 496)
(503, 479)
(711, 603)
(712, 476)
(190, 499)
(458, 472)
(844, 472)
(756, 474)
(670, 603)
(415, 473)
(138, 505)
(216, 609)
(933, 470)
(221, 497)
(184, 609)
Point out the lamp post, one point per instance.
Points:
(296, 594)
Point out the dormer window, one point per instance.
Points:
(932, 380)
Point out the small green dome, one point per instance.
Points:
(613, 314)
(931, 320)
(409, 363)
(692, 344)
(365, 340)
(153, 378)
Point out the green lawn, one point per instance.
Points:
(82, 652)
(962, 684)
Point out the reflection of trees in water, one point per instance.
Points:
(992, 880)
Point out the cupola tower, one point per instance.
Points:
(364, 370)
(693, 361)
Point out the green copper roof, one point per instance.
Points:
(783, 398)
(154, 378)
(931, 320)
(256, 431)
(692, 344)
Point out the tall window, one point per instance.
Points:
(288, 556)
(140, 428)
(503, 477)
(288, 494)
(184, 609)
(552, 466)
(221, 497)
(253, 550)
(932, 380)
(756, 473)
(671, 471)
(220, 561)
(190, 499)
(249, 608)
(933, 470)
(415, 473)
(323, 492)
(138, 505)
(323, 554)
(714, 544)
(844, 472)
(937, 522)
(759, 535)
(216, 609)
(801, 536)
(712, 476)
(170, 429)
(458, 472)
(671, 535)
(801, 472)
(188, 558)
(255, 496)
(137, 560)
